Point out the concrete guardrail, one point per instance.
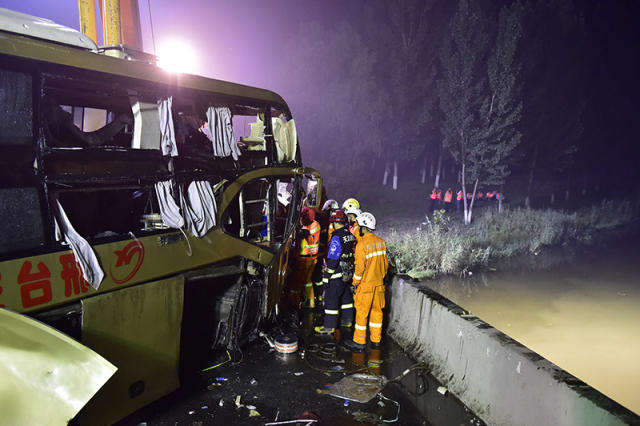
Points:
(500, 380)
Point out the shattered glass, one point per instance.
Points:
(16, 108)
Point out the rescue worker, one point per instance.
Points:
(370, 268)
(337, 276)
(447, 197)
(431, 202)
(323, 218)
(352, 215)
(305, 258)
(439, 197)
(459, 200)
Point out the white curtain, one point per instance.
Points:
(82, 250)
(169, 210)
(286, 138)
(221, 129)
(199, 208)
(168, 135)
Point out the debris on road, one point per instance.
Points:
(357, 387)
(253, 382)
(442, 390)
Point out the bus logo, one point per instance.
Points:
(123, 262)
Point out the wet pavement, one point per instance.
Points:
(271, 385)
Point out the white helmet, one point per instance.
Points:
(353, 210)
(330, 205)
(366, 220)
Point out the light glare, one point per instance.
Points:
(176, 56)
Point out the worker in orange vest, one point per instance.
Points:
(479, 195)
(448, 196)
(308, 241)
(370, 269)
(431, 202)
(459, 196)
(490, 194)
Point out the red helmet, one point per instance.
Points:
(307, 215)
(338, 216)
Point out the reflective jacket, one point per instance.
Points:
(459, 195)
(433, 195)
(447, 196)
(340, 255)
(309, 245)
(370, 262)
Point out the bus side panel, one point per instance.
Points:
(138, 330)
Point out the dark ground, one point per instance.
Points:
(287, 386)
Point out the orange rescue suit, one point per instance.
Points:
(371, 266)
(447, 196)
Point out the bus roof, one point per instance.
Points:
(67, 48)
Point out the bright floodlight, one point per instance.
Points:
(176, 56)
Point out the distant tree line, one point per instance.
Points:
(493, 93)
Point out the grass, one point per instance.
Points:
(446, 246)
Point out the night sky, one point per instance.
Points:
(239, 40)
(332, 60)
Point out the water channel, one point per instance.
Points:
(584, 317)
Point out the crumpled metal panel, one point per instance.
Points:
(45, 376)
(138, 329)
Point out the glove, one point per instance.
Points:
(303, 234)
(353, 289)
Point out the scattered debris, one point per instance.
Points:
(346, 403)
(204, 407)
(286, 343)
(221, 403)
(253, 382)
(214, 385)
(251, 407)
(442, 390)
(364, 417)
(253, 413)
(299, 373)
(380, 403)
(357, 387)
(192, 412)
(221, 379)
(288, 422)
(238, 405)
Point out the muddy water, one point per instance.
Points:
(584, 318)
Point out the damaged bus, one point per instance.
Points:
(145, 214)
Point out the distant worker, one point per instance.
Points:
(459, 196)
(479, 195)
(305, 258)
(448, 196)
(431, 202)
(370, 269)
(490, 194)
(338, 275)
